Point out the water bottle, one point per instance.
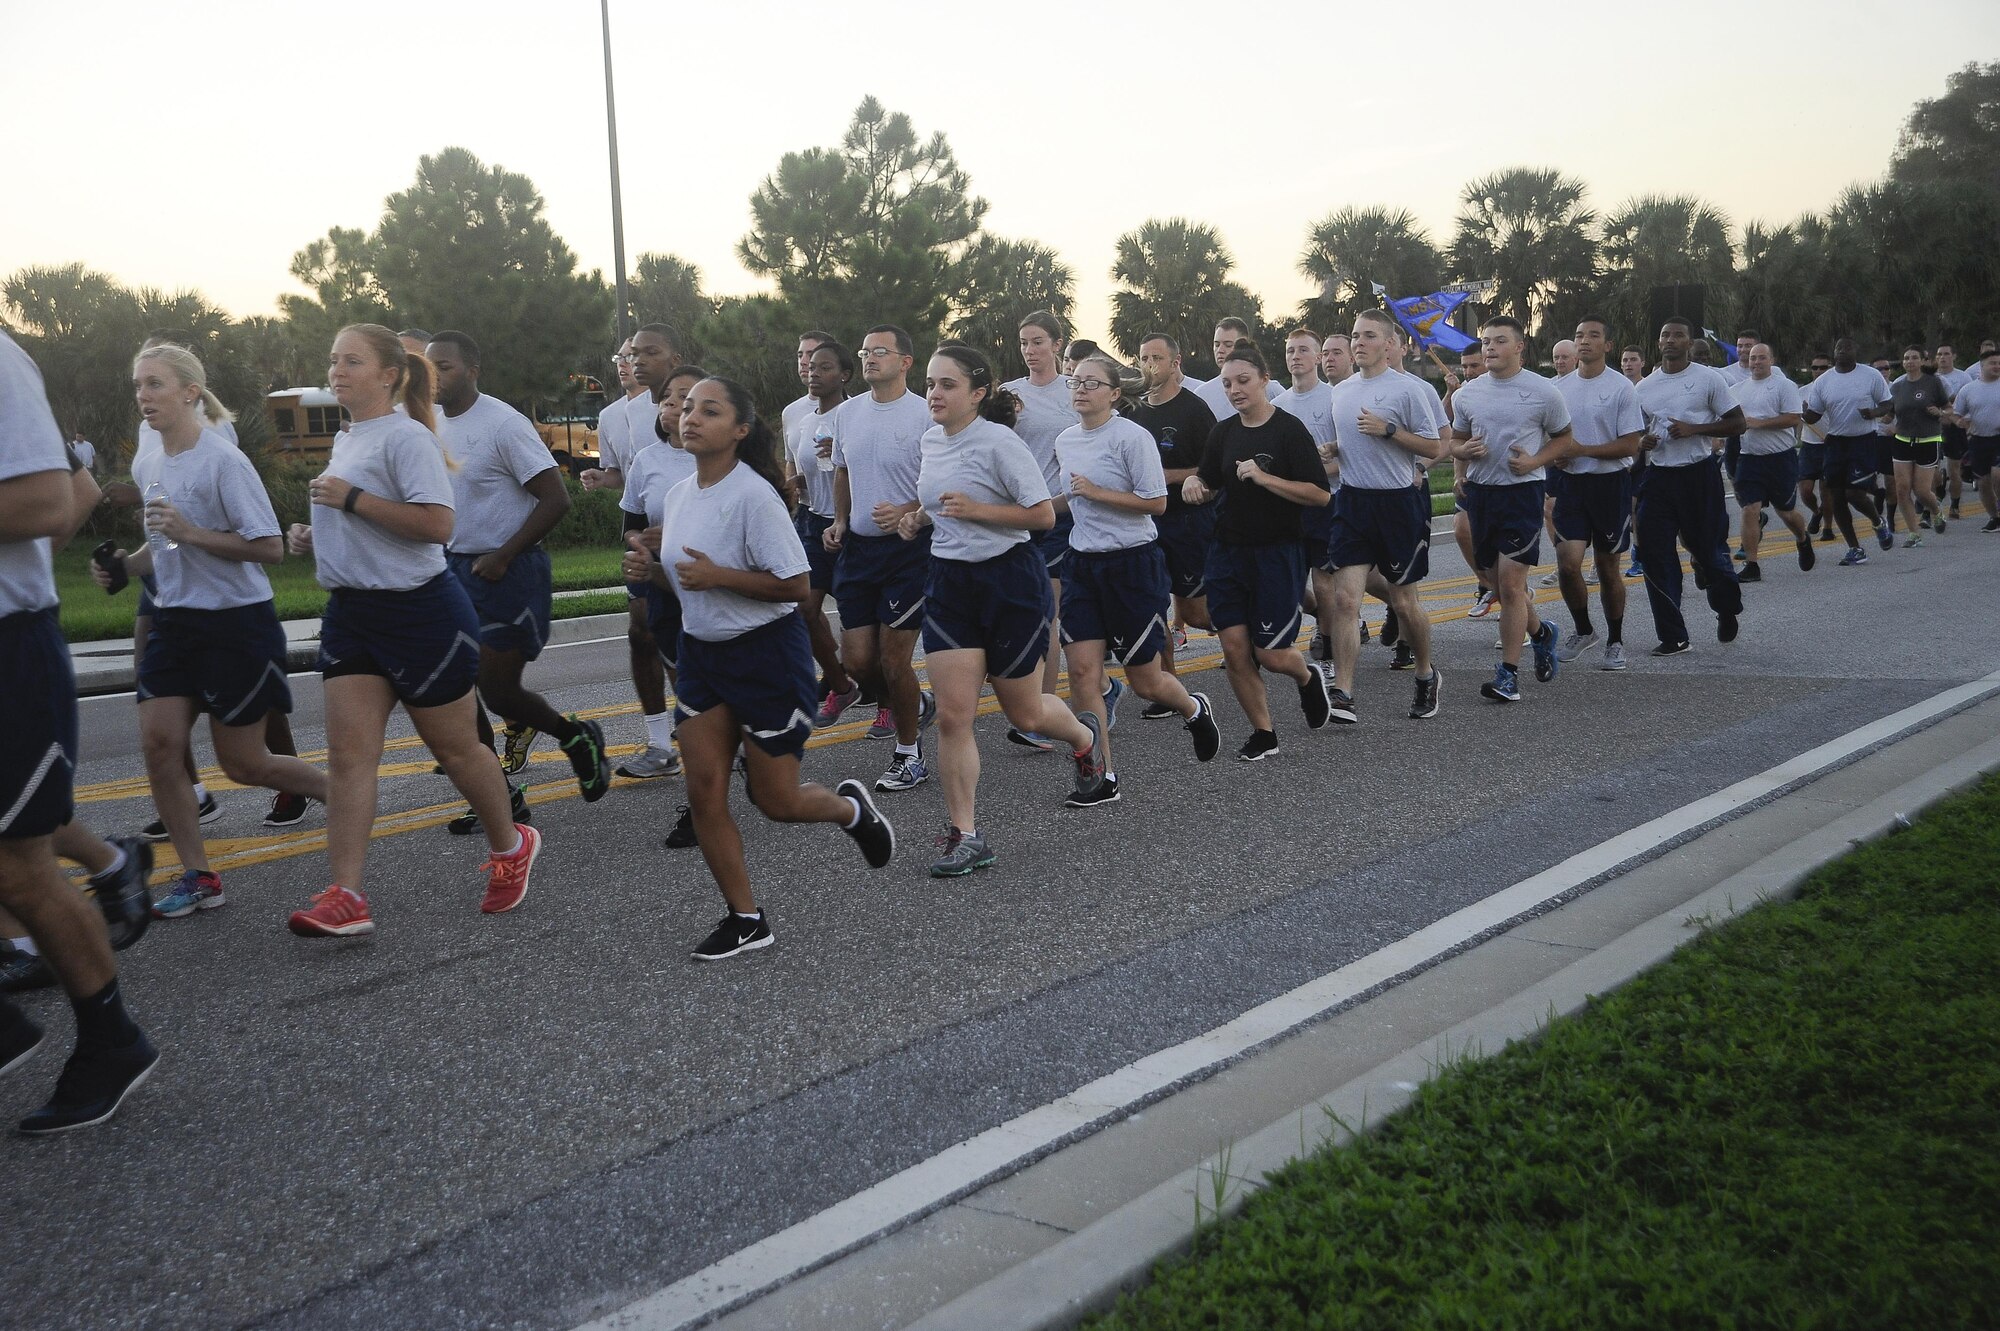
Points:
(157, 494)
(823, 434)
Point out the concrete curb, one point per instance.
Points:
(1085, 1273)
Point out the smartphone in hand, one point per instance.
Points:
(102, 557)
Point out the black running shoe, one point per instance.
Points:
(287, 810)
(1392, 630)
(468, 822)
(19, 1038)
(122, 894)
(683, 835)
(1157, 711)
(1992, 524)
(1312, 696)
(1672, 648)
(1725, 628)
(872, 833)
(1427, 702)
(1106, 792)
(735, 935)
(210, 811)
(1807, 555)
(93, 1084)
(1340, 707)
(1750, 572)
(1406, 657)
(1201, 728)
(1261, 745)
(585, 751)
(23, 972)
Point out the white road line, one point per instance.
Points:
(859, 1220)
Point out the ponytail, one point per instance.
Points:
(757, 450)
(415, 379)
(212, 406)
(187, 368)
(419, 385)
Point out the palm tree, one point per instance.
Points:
(1351, 250)
(1176, 281)
(1660, 240)
(995, 283)
(1778, 291)
(1527, 231)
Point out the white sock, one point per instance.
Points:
(26, 945)
(757, 914)
(855, 821)
(909, 750)
(200, 793)
(515, 849)
(660, 729)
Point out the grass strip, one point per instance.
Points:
(1792, 1122)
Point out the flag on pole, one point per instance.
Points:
(1427, 318)
(1728, 349)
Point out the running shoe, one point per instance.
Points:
(1312, 695)
(1364, 632)
(1114, 689)
(1807, 555)
(1742, 555)
(286, 810)
(515, 743)
(122, 895)
(1699, 572)
(1405, 658)
(1392, 629)
(1750, 573)
(683, 836)
(198, 889)
(1576, 646)
(1955, 516)
(960, 854)
(651, 763)
(1924, 520)
(835, 703)
(1157, 711)
(926, 708)
(1912, 542)
(94, 1082)
(334, 913)
(585, 751)
(1544, 646)
(1505, 686)
(1614, 657)
(1090, 764)
(1321, 646)
(1261, 745)
(1992, 525)
(1340, 706)
(507, 875)
(468, 822)
(1725, 628)
(1180, 639)
(1201, 728)
(884, 724)
(1937, 523)
(1549, 579)
(1107, 793)
(1885, 536)
(1673, 648)
(210, 811)
(1430, 698)
(1027, 739)
(1483, 604)
(19, 1038)
(1590, 575)
(1854, 558)
(906, 771)
(23, 972)
(735, 935)
(871, 831)
(1635, 569)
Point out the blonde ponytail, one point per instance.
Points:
(187, 368)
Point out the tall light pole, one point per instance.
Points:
(617, 203)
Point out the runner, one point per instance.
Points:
(830, 369)
(621, 426)
(1119, 590)
(1594, 512)
(507, 495)
(879, 583)
(397, 626)
(1812, 462)
(1381, 523)
(38, 708)
(1262, 467)
(216, 646)
(1768, 470)
(1884, 480)
(1485, 600)
(1045, 412)
(1847, 398)
(986, 598)
(1977, 408)
(1507, 426)
(654, 359)
(1686, 406)
(1562, 359)
(799, 407)
(1179, 422)
(1920, 402)
(1953, 379)
(733, 561)
(1312, 402)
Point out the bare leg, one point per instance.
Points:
(448, 731)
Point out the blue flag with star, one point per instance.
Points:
(1427, 319)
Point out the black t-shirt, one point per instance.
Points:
(1252, 515)
(1180, 425)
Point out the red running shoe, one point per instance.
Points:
(507, 875)
(334, 913)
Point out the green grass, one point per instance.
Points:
(1794, 1122)
(88, 614)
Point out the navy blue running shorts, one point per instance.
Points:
(424, 640)
(1850, 458)
(1315, 530)
(880, 580)
(1769, 478)
(1120, 598)
(1812, 460)
(1001, 606)
(1185, 538)
(820, 561)
(765, 677)
(1256, 587)
(663, 621)
(1506, 522)
(1596, 506)
(38, 710)
(231, 662)
(1982, 453)
(1387, 529)
(1053, 544)
(513, 612)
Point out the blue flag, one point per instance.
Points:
(1728, 349)
(1427, 319)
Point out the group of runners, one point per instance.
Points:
(1087, 513)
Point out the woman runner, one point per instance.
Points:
(1921, 403)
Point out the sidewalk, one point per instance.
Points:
(1041, 1244)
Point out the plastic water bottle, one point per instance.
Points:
(157, 494)
(823, 434)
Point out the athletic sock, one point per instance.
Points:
(660, 729)
(117, 863)
(515, 849)
(855, 821)
(26, 945)
(102, 1019)
(200, 794)
(1584, 626)
(1614, 630)
(913, 750)
(757, 914)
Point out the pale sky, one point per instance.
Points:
(202, 145)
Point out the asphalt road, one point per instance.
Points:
(527, 1120)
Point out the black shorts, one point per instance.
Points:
(424, 640)
(514, 612)
(765, 677)
(1389, 530)
(231, 662)
(1812, 460)
(1982, 454)
(1315, 530)
(1922, 452)
(1954, 441)
(1596, 506)
(1053, 544)
(663, 621)
(1256, 587)
(1506, 522)
(1850, 458)
(38, 707)
(1120, 598)
(1001, 606)
(1185, 538)
(880, 580)
(1769, 478)
(1885, 455)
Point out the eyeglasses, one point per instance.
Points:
(876, 353)
(624, 359)
(1087, 385)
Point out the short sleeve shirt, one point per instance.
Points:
(988, 464)
(1180, 427)
(498, 453)
(1838, 398)
(1252, 515)
(656, 469)
(30, 442)
(1366, 461)
(1979, 403)
(738, 522)
(1913, 399)
(391, 457)
(1118, 455)
(1518, 414)
(800, 438)
(1314, 408)
(216, 488)
(1697, 396)
(1045, 413)
(881, 445)
(1761, 399)
(1602, 410)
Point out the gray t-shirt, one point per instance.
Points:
(1761, 399)
(1118, 455)
(1913, 399)
(880, 444)
(148, 439)
(1045, 413)
(1602, 410)
(1696, 395)
(988, 464)
(1733, 373)
(1314, 408)
(30, 442)
(216, 488)
(619, 426)
(1216, 395)
(801, 430)
(1369, 463)
(498, 453)
(1838, 397)
(794, 409)
(1517, 414)
(656, 469)
(739, 522)
(391, 457)
(1979, 403)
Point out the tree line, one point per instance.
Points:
(885, 227)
